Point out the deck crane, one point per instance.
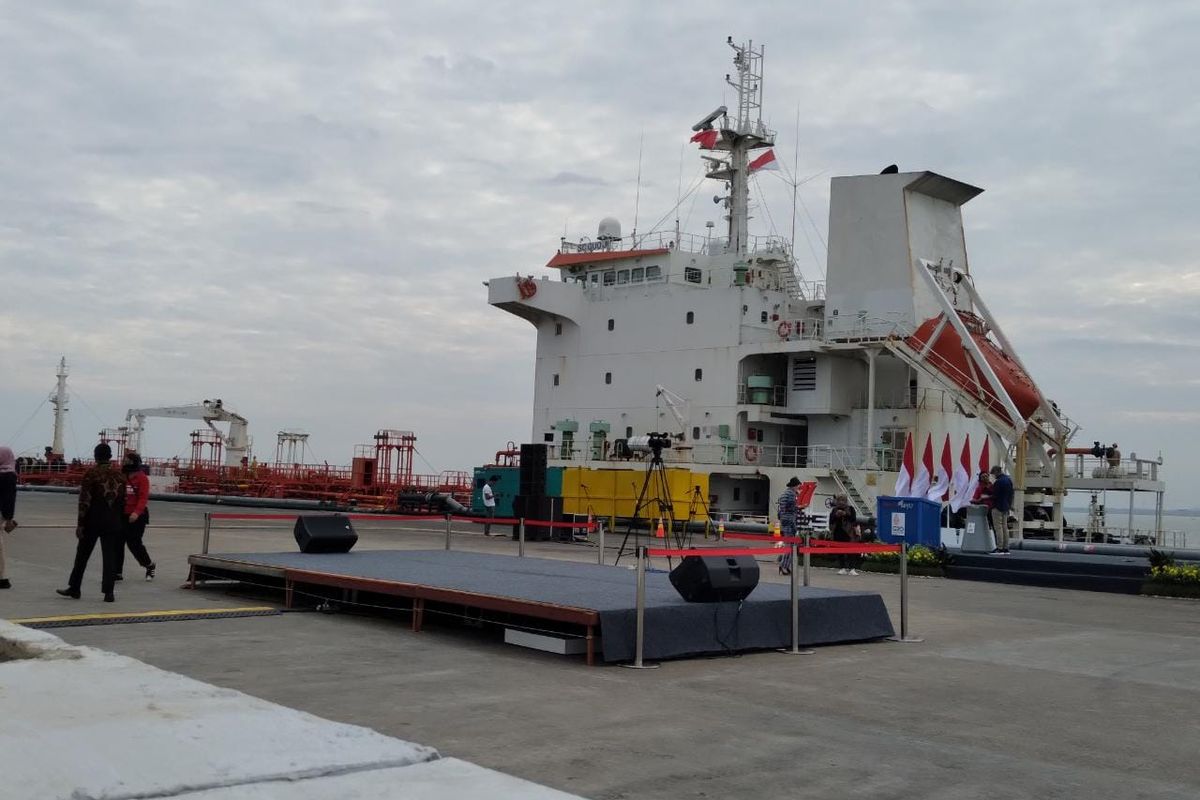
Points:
(236, 442)
(674, 404)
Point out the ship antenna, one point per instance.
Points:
(795, 180)
(745, 132)
(637, 196)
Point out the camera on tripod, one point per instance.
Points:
(653, 443)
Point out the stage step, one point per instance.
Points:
(1063, 570)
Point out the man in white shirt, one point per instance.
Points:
(489, 506)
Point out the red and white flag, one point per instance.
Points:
(985, 459)
(964, 480)
(904, 481)
(765, 161)
(707, 139)
(941, 476)
(920, 485)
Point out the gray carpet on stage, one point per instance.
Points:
(674, 627)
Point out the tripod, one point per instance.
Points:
(698, 504)
(655, 496)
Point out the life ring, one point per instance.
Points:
(526, 287)
(751, 453)
(784, 329)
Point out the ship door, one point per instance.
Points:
(794, 446)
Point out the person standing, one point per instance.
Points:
(8, 505)
(786, 509)
(842, 523)
(101, 519)
(1002, 500)
(137, 515)
(489, 505)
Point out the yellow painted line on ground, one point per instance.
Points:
(142, 614)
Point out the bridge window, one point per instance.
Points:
(653, 274)
(691, 317)
(610, 277)
(610, 324)
(699, 374)
(622, 277)
(608, 377)
(636, 275)
(692, 274)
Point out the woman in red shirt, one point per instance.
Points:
(137, 495)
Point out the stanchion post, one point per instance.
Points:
(639, 645)
(600, 534)
(807, 555)
(207, 532)
(795, 581)
(449, 522)
(904, 637)
(521, 537)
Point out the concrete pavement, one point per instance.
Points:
(1016, 692)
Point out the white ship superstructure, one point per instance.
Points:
(760, 375)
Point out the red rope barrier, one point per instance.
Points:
(820, 545)
(722, 552)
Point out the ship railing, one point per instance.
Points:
(1137, 536)
(923, 399)
(1131, 467)
(804, 328)
(860, 328)
(762, 395)
(751, 453)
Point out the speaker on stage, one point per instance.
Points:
(325, 533)
(532, 477)
(715, 579)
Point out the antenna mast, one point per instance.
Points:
(739, 135)
(59, 400)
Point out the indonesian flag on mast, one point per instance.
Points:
(920, 485)
(985, 459)
(707, 139)
(964, 481)
(941, 477)
(904, 480)
(765, 161)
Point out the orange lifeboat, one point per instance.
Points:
(948, 356)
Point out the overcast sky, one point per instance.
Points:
(292, 205)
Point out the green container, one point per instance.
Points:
(508, 486)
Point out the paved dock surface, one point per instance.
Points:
(1016, 692)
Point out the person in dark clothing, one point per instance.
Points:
(842, 521)
(8, 505)
(101, 519)
(1002, 500)
(786, 509)
(137, 516)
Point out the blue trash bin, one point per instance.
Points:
(911, 519)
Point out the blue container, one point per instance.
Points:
(911, 519)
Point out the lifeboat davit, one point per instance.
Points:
(948, 356)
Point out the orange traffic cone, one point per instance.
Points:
(721, 530)
(778, 533)
(659, 533)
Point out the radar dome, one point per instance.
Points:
(610, 229)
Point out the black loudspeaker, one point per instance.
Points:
(714, 579)
(534, 458)
(325, 534)
(535, 508)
